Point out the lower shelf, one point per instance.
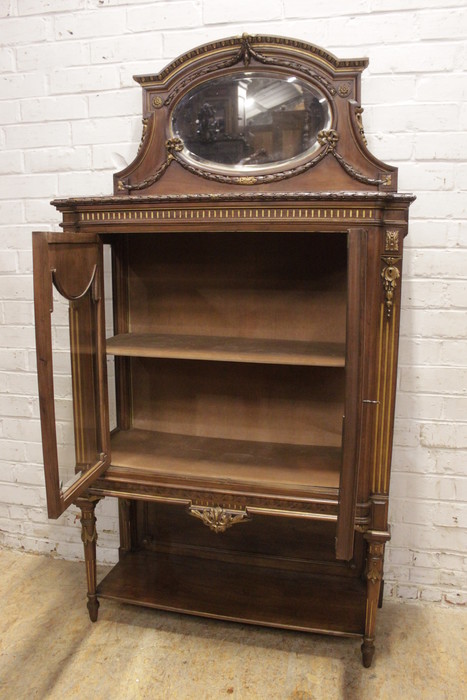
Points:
(221, 461)
(247, 594)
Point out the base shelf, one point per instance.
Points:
(240, 463)
(247, 594)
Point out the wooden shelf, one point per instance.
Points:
(233, 591)
(209, 460)
(200, 347)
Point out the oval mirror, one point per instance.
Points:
(250, 121)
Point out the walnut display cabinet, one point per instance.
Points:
(239, 400)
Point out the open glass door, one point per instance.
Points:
(353, 367)
(69, 267)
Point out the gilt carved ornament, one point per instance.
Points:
(218, 519)
(327, 139)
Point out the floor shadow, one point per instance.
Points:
(50, 649)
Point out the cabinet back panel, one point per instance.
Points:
(255, 285)
(292, 542)
(298, 405)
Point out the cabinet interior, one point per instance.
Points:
(231, 352)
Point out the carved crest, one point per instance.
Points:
(323, 128)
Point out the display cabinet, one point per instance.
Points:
(250, 350)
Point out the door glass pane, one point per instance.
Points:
(109, 332)
(74, 345)
(63, 390)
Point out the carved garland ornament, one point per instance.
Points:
(358, 115)
(375, 562)
(244, 55)
(88, 537)
(143, 134)
(328, 139)
(218, 519)
(88, 523)
(390, 274)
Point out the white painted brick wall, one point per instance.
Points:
(70, 117)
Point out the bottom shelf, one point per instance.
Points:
(247, 594)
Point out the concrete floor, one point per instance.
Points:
(50, 649)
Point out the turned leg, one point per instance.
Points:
(374, 576)
(89, 538)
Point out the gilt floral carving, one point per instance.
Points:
(392, 241)
(218, 519)
(390, 274)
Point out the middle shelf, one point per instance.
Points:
(227, 349)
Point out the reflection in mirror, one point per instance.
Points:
(248, 121)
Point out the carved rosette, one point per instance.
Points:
(218, 519)
(344, 89)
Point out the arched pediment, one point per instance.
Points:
(254, 113)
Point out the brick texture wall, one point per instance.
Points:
(70, 117)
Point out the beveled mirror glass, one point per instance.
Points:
(249, 121)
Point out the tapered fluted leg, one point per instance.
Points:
(89, 538)
(374, 577)
(381, 594)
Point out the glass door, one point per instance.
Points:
(70, 346)
(353, 399)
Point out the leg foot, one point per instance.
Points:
(368, 651)
(374, 576)
(93, 607)
(89, 537)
